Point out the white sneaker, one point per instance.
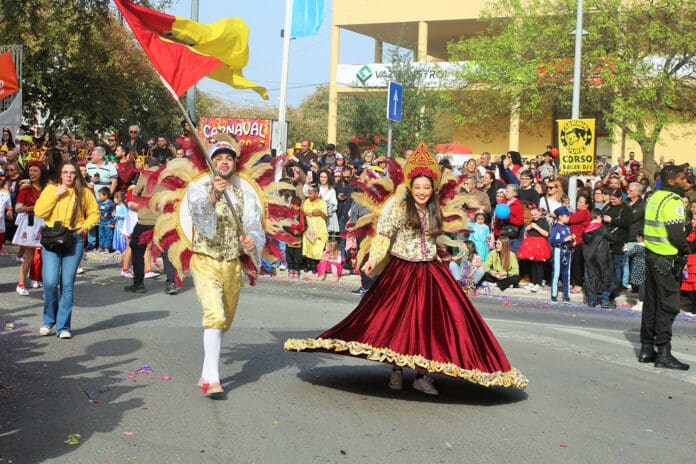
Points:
(282, 267)
(396, 380)
(638, 307)
(64, 334)
(22, 290)
(44, 330)
(425, 384)
(36, 284)
(80, 270)
(534, 288)
(151, 274)
(127, 274)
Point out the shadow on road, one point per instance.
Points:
(42, 392)
(366, 378)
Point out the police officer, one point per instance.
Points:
(667, 248)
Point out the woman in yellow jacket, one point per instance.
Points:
(316, 234)
(69, 201)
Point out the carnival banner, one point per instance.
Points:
(247, 130)
(576, 145)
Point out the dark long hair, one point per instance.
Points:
(432, 208)
(79, 187)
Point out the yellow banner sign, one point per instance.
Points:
(576, 145)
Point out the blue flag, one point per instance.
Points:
(307, 16)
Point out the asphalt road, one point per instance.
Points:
(589, 400)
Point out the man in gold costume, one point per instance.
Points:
(226, 226)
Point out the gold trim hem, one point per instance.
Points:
(511, 378)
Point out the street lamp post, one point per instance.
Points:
(575, 111)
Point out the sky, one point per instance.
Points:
(309, 56)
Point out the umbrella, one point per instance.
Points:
(453, 149)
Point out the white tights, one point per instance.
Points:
(212, 344)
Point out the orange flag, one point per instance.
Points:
(9, 83)
(184, 51)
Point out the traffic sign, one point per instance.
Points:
(394, 100)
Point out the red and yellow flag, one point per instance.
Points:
(9, 83)
(184, 51)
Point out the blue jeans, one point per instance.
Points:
(92, 238)
(60, 268)
(561, 269)
(626, 269)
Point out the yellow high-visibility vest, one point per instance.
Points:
(663, 208)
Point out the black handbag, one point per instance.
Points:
(510, 230)
(57, 238)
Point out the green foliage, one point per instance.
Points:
(82, 69)
(638, 68)
(362, 117)
(309, 119)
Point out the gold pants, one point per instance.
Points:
(217, 286)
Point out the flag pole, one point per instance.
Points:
(201, 144)
(282, 105)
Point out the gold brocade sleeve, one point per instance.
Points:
(379, 248)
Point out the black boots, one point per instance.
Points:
(647, 353)
(665, 359)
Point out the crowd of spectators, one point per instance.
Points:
(517, 248)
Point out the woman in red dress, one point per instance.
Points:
(428, 325)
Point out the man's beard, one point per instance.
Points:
(227, 176)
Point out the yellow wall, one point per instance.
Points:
(382, 18)
(346, 12)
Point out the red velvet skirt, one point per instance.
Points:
(689, 284)
(416, 315)
(534, 249)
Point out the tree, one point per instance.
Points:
(364, 115)
(83, 70)
(638, 66)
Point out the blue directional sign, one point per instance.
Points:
(394, 100)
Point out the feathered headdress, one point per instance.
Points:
(423, 163)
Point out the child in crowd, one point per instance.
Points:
(535, 247)
(316, 233)
(480, 232)
(119, 243)
(126, 231)
(688, 285)
(636, 277)
(331, 260)
(562, 242)
(293, 250)
(599, 280)
(106, 219)
(470, 272)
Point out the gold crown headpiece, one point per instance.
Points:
(422, 162)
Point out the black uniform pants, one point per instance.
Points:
(662, 299)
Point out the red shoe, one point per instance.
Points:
(210, 389)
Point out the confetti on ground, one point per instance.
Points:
(73, 439)
(128, 433)
(564, 445)
(145, 370)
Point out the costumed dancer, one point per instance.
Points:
(415, 314)
(218, 242)
(199, 232)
